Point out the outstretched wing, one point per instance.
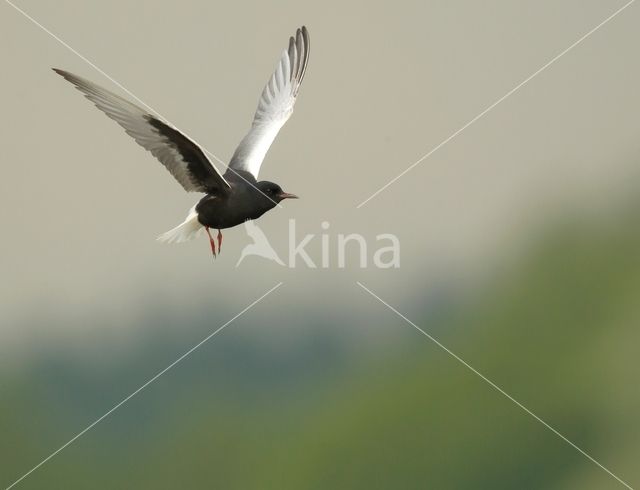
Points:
(182, 157)
(275, 105)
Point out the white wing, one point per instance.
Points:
(180, 155)
(275, 105)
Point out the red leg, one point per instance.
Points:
(219, 240)
(211, 242)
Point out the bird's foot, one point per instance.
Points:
(219, 240)
(211, 242)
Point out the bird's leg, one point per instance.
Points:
(219, 240)
(211, 242)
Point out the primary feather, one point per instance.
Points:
(180, 155)
(275, 105)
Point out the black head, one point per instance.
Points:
(274, 192)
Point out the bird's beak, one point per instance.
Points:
(286, 195)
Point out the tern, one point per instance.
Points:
(232, 198)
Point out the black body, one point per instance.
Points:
(247, 199)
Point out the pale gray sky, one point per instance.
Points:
(81, 203)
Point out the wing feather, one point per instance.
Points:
(182, 157)
(275, 105)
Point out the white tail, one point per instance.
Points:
(189, 229)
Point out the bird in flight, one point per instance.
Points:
(236, 196)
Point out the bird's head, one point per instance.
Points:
(274, 192)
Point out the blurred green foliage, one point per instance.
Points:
(559, 333)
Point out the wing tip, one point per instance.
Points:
(70, 77)
(61, 72)
(305, 34)
(301, 47)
